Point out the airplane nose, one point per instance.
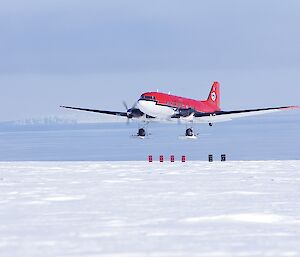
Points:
(143, 105)
(152, 109)
(140, 104)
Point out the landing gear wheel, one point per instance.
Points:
(141, 132)
(189, 132)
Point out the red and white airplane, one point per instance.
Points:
(166, 107)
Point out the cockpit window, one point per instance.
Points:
(147, 97)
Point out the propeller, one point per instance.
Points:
(127, 111)
(132, 112)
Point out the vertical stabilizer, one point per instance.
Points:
(214, 95)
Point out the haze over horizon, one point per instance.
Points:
(99, 53)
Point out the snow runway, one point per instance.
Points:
(128, 209)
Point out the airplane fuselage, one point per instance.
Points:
(164, 106)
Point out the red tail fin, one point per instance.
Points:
(214, 95)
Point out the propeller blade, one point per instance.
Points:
(125, 105)
(134, 105)
(128, 112)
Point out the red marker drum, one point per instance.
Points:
(172, 158)
(161, 158)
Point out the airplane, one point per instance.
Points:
(156, 106)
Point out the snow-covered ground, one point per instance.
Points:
(136, 209)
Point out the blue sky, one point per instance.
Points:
(98, 53)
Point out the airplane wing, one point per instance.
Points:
(123, 114)
(221, 116)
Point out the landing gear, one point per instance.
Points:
(141, 132)
(189, 132)
(210, 124)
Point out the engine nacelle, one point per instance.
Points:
(185, 112)
(134, 113)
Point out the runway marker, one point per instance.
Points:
(223, 158)
(172, 158)
(161, 158)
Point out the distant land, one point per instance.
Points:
(40, 121)
(56, 123)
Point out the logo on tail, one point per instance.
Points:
(213, 96)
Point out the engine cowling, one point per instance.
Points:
(134, 113)
(185, 112)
